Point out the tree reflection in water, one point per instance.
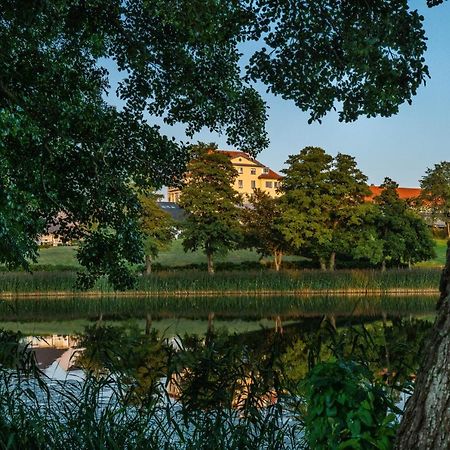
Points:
(218, 390)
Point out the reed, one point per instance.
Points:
(249, 281)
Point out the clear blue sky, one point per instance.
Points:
(400, 147)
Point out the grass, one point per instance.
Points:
(439, 260)
(231, 392)
(233, 282)
(58, 256)
(176, 257)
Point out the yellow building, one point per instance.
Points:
(251, 175)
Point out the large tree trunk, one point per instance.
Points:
(210, 263)
(426, 422)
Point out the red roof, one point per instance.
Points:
(403, 193)
(271, 175)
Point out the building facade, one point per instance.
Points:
(251, 175)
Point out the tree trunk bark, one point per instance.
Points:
(323, 265)
(210, 263)
(148, 265)
(333, 260)
(383, 266)
(426, 421)
(448, 230)
(277, 255)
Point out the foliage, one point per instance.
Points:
(229, 393)
(436, 192)
(321, 52)
(404, 235)
(348, 191)
(347, 409)
(305, 198)
(323, 204)
(211, 204)
(157, 226)
(70, 158)
(392, 350)
(261, 221)
(140, 360)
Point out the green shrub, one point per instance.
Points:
(346, 409)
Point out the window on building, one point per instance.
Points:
(266, 170)
(241, 170)
(253, 184)
(253, 171)
(240, 184)
(275, 184)
(268, 184)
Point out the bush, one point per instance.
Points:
(346, 409)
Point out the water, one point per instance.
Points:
(107, 372)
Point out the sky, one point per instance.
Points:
(401, 147)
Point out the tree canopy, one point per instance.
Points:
(436, 192)
(68, 156)
(157, 226)
(211, 204)
(261, 220)
(403, 235)
(322, 199)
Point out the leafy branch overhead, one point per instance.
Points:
(69, 158)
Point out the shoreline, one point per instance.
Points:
(369, 292)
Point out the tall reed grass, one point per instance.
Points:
(250, 281)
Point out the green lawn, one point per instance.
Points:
(439, 260)
(175, 256)
(58, 256)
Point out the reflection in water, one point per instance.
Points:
(390, 347)
(247, 391)
(242, 307)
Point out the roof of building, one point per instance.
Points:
(403, 193)
(173, 209)
(270, 175)
(45, 357)
(232, 154)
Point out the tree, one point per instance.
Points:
(404, 236)
(157, 226)
(63, 148)
(426, 421)
(348, 190)
(322, 203)
(306, 200)
(261, 221)
(211, 204)
(436, 192)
